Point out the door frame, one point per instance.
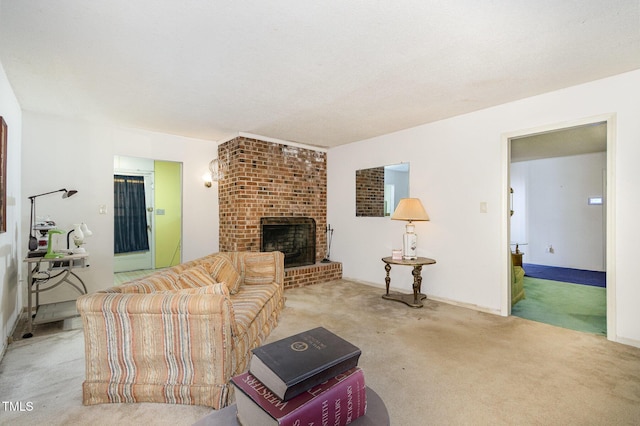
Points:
(610, 199)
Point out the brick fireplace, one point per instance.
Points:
(270, 180)
(293, 236)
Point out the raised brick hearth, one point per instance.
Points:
(266, 179)
(300, 276)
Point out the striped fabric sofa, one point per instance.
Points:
(179, 335)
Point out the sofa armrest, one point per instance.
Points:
(182, 338)
(517, 285)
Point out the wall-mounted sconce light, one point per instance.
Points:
(217, 169)
(207, 179)
(215, 173)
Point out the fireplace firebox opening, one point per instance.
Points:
(293, 236)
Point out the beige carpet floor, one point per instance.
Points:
(439, 365)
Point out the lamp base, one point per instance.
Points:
(409, 243)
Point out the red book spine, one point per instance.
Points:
(340, 405)
(339, 401)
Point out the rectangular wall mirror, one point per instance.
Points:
(379, 189)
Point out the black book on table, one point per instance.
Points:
(293, 365)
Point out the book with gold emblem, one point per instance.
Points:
(293, 365)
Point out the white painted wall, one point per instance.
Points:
(67, 153)
(558, 214)
(11, 242)
(458, 163)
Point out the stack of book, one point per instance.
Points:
(308, 378)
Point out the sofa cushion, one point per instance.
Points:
(215, 288)
(222, 270)
(149, 284)
(195, 277)
(251, 302)
(260, 268)
(255, 309)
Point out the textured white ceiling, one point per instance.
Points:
(584, 139)
(319, 73)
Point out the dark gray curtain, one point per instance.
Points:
(130, 214)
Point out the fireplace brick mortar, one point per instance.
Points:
(270, 179)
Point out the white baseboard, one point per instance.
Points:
(437, 299)
(625, 341)
(466, 305)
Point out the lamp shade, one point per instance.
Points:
(85, 230)
(69, 193)
(410, 209)
(78, 235)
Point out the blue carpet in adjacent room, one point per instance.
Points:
(567, 275)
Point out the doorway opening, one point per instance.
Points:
(162, 214)
(559, 181)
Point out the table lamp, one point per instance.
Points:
(33, 241)
(80, 232)
(410, 209)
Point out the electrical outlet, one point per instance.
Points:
(483, 207)
(102, 209)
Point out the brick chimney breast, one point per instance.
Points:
(267, 179)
